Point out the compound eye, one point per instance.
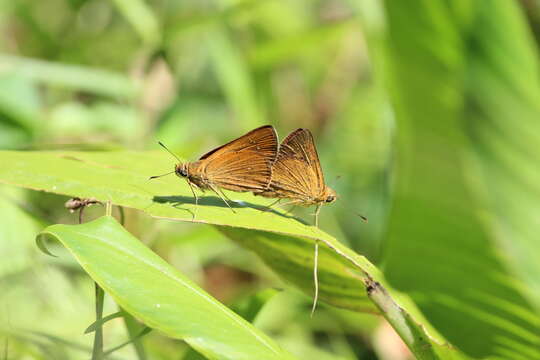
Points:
(330, 198)
(181, 171)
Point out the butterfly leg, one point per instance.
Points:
(196, 200)
(291, 208)
(214, 189)
(269, 207)
(224, 195)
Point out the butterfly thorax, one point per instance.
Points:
(193, 173)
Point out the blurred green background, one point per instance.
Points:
(425, 116)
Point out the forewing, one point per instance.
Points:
(244, 164)
(297, 173)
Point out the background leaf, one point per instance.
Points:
(122, 177)
(504, 89)
(426, 111)
(69, 76)
(235, 78)
(158, 294)
(52, 324)
(439, 249)
(141, 18)
(285, 244)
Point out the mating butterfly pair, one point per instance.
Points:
(256, 163)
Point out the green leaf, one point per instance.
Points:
(249, 307)
(204, 19)
(75, 120)
(17, 230)
(135, 338)
(19, 102)
(286, 244)
(122, 177)
(282, 50)
(141, 17)
(19, 110)
(77, 77)
(96, 323)
(134, 330)
(451, 64)
(235, 78)
(158, 294)
(503, 105)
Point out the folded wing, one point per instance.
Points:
(244, 164)
(297, 171)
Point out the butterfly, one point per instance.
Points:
(242, 165)
(297, 174)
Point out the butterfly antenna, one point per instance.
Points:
(158, 176)
(169, 151)
(365, 219)
(336, 180)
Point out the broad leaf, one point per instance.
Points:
(452, 72)
(122, 178)
(150, 289)
(504, 106)
(285, 243)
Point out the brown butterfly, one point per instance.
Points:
(297, 174)
(244, 164)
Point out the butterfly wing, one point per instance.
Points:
(297, 172)
(244, 164)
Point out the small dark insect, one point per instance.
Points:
(77, 203)
(242, 165)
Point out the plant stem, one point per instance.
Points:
(97, 351)
(412, 334)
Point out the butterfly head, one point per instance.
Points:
(329, 195)
(181, 170)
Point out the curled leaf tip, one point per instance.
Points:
(41, 244)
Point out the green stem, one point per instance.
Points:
(97, 351)
(134, 331)
(412, 334)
